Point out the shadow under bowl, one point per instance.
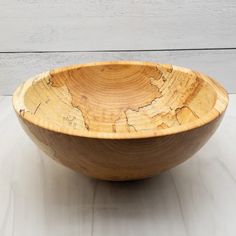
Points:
(120, 120)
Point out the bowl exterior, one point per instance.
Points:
(120, 159)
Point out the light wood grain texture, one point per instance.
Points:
(128, 24)
(218, 64)
(120, 120)
(40, 197)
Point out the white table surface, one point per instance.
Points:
(40, 197)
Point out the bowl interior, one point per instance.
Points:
(119, 98)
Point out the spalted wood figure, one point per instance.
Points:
(120, 120)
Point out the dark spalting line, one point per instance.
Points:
(115, 121)
(160, 114)
(129, 125)
(84, 118)
(163, 123)
(176, 117)
(185, 106)
(114, 128)
(149, 104)
(36, 109)
(141, 107)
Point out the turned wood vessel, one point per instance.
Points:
(120, 120)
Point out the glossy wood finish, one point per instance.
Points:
(120, 120)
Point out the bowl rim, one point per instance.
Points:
(218, 109)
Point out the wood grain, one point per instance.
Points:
(120, 120)
(102, 25)
(40, 197)
(219, 64)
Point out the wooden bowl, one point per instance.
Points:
(120, 120)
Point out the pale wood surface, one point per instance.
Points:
(40, 197)
(217, 64)
(128, 24)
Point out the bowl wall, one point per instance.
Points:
(120, 120)
(119, 160)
